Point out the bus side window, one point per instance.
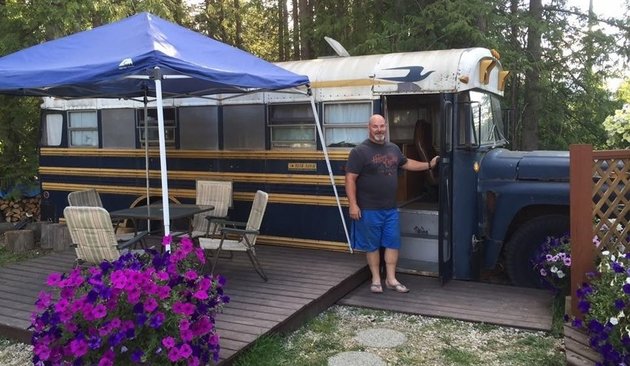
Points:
(199, 127)
(52, 130)
(117, 127)
(244, 127)
(82, 129)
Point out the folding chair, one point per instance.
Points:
(93, 235)
(91, 198)
(88, 197)
(242, 236)
(217, 194)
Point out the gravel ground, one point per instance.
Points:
(15, 354)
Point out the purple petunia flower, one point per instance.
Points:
(78, 347)
(617, 267)
(173, 354)
(584, 306)
(619, 304)
(168, 342)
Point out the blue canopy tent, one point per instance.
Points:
(141, 56)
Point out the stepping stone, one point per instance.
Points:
(380, 338)
(355, 358)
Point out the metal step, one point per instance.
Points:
(419, 240)
(422, 268)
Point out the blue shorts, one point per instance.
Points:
(375, 229)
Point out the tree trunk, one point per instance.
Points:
(239, 24)
(515, 82)
(296, 30)
(533, 100)
(306, 29)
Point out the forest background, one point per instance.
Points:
(561, 57)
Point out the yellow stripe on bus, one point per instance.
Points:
(283, 198)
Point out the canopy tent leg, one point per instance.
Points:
(163, 170)
(330, 173)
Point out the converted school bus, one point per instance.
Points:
(483, 204)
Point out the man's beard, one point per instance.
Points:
(379, 137)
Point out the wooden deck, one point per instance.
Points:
(302, 283)
(464, 300)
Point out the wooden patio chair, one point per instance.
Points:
(214, 193)
(239, 236)
(93, 235)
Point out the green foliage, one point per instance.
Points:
(19, 132)
(618, 128)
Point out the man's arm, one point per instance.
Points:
(416, 165)
(351, 192)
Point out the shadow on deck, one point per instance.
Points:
(302, 283)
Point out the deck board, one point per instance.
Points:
(302, 283)
(464, 300)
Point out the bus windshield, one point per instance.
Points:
(487, 121)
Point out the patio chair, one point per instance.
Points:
(239, 236)
(217, 194)
(93, 235)
(88, 197)
(91, 198)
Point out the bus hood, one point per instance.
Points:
(525, 165)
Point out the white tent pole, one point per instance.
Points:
(163, 170)
(330, 173)
(146, 153)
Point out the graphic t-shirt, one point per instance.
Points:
(378, 166)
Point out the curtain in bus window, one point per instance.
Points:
(83, 129)
(292, 126)
(345, 123)
(53, 129)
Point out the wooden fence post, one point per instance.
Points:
(581, 199)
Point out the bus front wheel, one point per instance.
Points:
(524, 244)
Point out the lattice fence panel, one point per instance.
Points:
(611, 208)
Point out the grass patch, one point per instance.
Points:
(533, 350)
(458, 356)
(266, 351)
(485, 327)
(558, 311)
(7, 257)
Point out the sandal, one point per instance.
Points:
(399, 287)
(376, 288)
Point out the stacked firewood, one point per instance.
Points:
(14, 211)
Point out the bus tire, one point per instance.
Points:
(524, 243)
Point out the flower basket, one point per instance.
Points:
(553, 263)
(152, 309)
(605, 303)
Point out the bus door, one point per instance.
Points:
(445, 222)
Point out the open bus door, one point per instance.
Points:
(445, 227)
